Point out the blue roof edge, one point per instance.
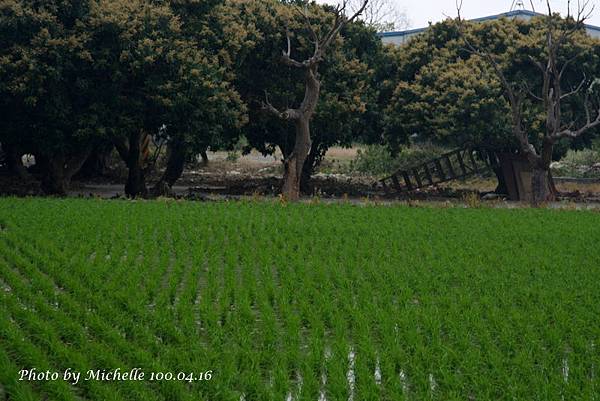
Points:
(509, 14)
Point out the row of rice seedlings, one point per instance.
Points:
(10, 387)
(430, 380)
(26, 332)
(165, 331)
(67, 314)
(131, 350)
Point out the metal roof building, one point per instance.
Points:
(401, 37)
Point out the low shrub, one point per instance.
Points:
(578, 164)
(377, 160)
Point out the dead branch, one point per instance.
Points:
(575, 90)
(267, 106)
(288, 114)
(568, 133)
(308, 24)
(320, 44)
(584, 12)
(340, 22)
(287, 54)
(589, 124)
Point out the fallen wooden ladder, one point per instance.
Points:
(455, 165)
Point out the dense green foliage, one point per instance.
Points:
(78, 75)
(447, 94)
(441, 304)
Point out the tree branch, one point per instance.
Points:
(289, 114)
(574, 91)
(286, 58)
(567, 133)
(320, 44)
(528, 90)
(311, 29)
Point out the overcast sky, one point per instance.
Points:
(421, 12)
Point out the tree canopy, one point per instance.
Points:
(446, 94)
(79, 75)
(79, 72)
(349, 108)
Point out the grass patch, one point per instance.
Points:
(386, 303)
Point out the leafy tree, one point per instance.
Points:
(446, 94)
(348, 90)
(139, 52)
(207, 110)
(48, 97)
(78, 74)
(555, 51)
(160, 81)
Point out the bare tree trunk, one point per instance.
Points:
(175, 165)
(294, 165)
(307, 172)
(501, 188)
(540, 186)
(313, 161)
(136, 179)
(131, 153)
(204, 157)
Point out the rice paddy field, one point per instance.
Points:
(264, 301)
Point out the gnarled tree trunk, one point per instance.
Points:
(176, 157)
(540, 186)
(314, 159)
(501, 188)
(58, 170)
(542, 183)
(294, 163)
(136, 179)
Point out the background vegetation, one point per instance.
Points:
(80, 80)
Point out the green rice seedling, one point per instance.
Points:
(436, 304)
